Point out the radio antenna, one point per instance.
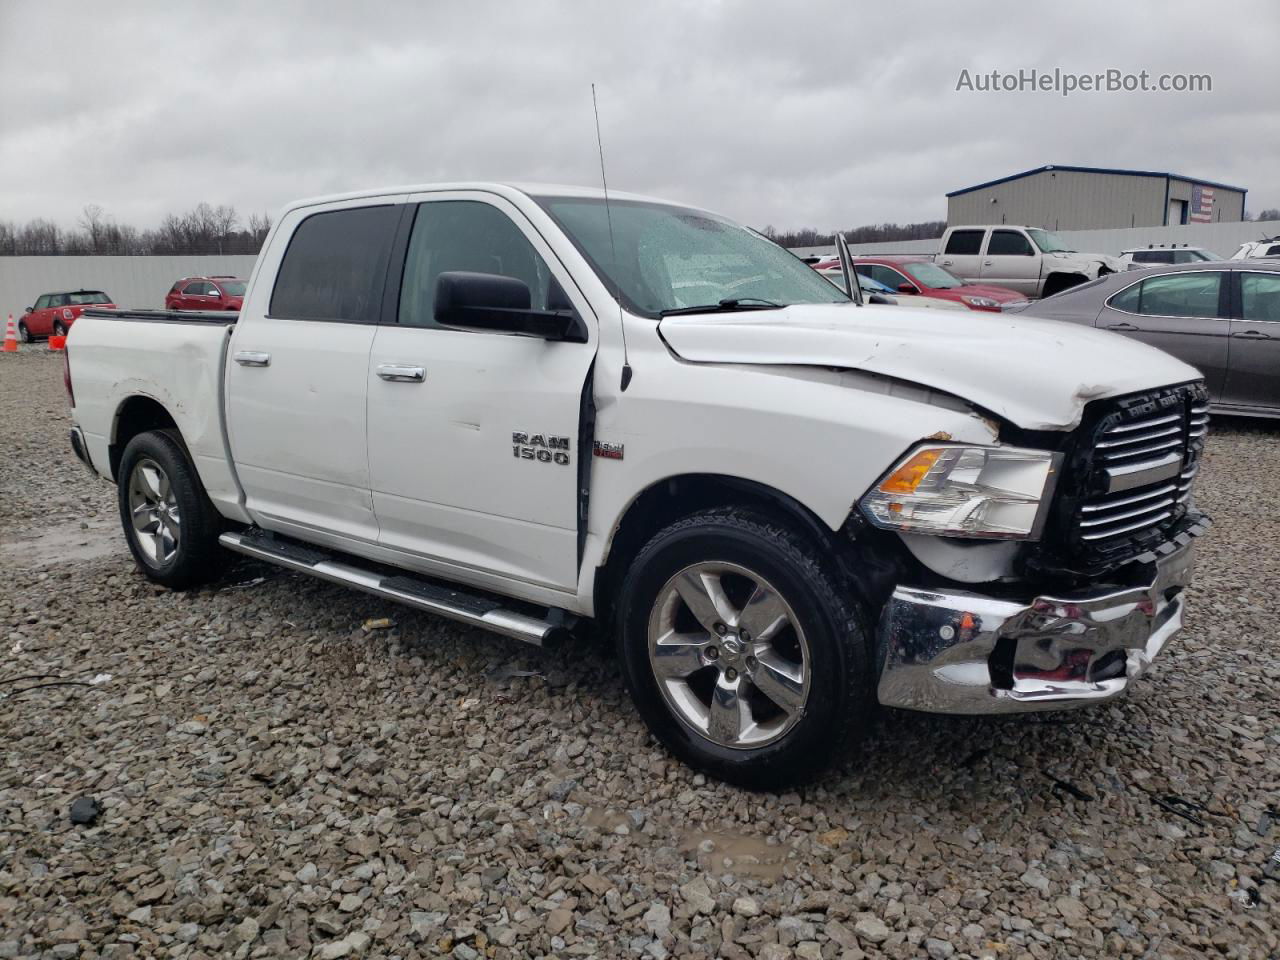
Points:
(613, 249)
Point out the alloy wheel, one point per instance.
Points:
(153, 508)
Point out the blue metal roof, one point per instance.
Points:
(1127, 173)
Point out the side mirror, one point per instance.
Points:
(486, 301)
(31, 309)
(908, 288)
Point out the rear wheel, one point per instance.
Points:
(171, 526)
(744, 654)
(58, 329)
(24, 334)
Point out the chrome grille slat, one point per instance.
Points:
(1171, 431)
(1173, 443)
(1142, 525)
(1127, 501)
(1109, 519)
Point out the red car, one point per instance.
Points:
(206, 293)
(54, 313)
(912, 276)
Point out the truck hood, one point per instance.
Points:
(1083, 261)
(1036, 373)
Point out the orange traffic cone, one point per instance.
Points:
(57, 343)
(10, 337)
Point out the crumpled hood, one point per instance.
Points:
(1036, 373)
(1085, 260)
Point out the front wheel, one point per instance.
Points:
(743, 651)
(24, 334)
(171, 526)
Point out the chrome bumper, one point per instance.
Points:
(959, 652)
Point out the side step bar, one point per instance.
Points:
(475, 609)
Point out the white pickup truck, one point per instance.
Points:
(1027, 259)
(529, 408)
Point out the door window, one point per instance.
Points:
(1174, 295)
(466, 235)
(888, 276)
(335, 266)
(1260, 296)
(43, 302)
(196, 288)
(965, 242)
(1009, 243)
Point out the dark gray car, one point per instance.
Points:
(1222, 317)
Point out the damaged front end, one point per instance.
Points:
(1086, 606)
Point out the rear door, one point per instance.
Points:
(473, 438)
(1253, 377)
(296, 379)
(1184, 314)
(1011, 261)
(962, 254)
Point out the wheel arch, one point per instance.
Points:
(1061, 280)
(667, 500)
(137, 414)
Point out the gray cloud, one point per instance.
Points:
(816, 114)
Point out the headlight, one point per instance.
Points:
(986, 303)
(990, 492)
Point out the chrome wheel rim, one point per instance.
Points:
(153, 509)
(729, 655)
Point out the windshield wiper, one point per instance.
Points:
(724, 306)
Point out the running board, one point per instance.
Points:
(475, 609)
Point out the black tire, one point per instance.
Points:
(196, 558)
(837, 709)
(58, 329)
(24, 334)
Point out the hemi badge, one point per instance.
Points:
(610, 451)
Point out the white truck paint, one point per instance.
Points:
(1027, 259)
(395, 433)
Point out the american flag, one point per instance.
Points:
(1201, 204)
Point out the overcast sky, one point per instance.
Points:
(793, 114)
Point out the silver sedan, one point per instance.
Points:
(1221, 316)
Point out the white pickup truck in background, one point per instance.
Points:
(528, 408)
(1030, 260)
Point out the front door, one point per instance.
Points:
(1184, 314)
(1011, 261)
(296, 377)
(1253, 375)
(473, 438)
(963, 254)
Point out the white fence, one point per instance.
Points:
(129, 281)
(1220, 238)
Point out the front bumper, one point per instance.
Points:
(960, 652)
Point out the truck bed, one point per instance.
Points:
(220, 317)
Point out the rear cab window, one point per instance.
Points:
(965, 242)
(335, 265)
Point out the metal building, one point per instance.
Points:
(1095, 198)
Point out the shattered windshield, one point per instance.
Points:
(1049, 242)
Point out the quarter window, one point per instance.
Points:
(1009, 243)
(466, 235)
(1260, 296)
(965, 242)
(336, 266)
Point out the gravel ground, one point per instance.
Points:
(277, 781)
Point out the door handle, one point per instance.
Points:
(947, 263)
(1128, 327)
(1252, 335)
(986, 263)
(400, 373)
(252, 358)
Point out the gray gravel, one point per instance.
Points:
(275, 780)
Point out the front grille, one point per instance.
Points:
(1126, 482)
